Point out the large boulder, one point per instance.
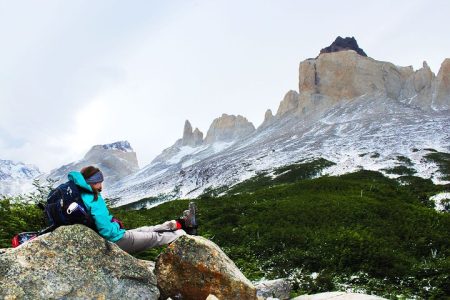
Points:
(74, 262)
(193, 267)
(277, 288)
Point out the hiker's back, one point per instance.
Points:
(65, 206)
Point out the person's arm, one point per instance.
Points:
(107, 229)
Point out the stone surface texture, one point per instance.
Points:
(228, 128)
(191, 138)
(288, 104)
(277, 288)
(74, 262)
(193, 268)
(441, 99)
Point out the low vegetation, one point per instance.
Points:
(443, 161)
(400, 170)
(361, 231)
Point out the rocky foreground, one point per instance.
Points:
(73, 262)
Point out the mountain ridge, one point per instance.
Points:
(16, 177)
(347, 105)
(348, 108)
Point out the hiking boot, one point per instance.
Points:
(188, 220)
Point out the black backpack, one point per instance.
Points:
(65, 207)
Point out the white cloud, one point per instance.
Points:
(141, 68)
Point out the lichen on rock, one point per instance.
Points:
(74, 262)
(193, 267)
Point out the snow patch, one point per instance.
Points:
(184, 151)
(438, 200)
(220, 146)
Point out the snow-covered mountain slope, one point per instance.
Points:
(370, 132)
(350, 109)
(16, 177)
(116, 161)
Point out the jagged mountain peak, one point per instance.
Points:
(191, 138)
(342, 44)
(123, 146)
(228, 128)
(268, 116)
(349, 109)
(289, 103)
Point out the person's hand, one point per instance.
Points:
(118, 222)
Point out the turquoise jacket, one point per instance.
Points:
(98, 210)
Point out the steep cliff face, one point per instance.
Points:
(191, 138)
(344, 75)
(289, 103)
(228, 128)
(348, 75)
(441, 96)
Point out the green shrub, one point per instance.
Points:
(359, 230)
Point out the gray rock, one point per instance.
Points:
(338, 296)
(289, 103)
(74, 262)
(441, 97)
(193, 267)
(228, 128)
(278, 288)
(191, 138)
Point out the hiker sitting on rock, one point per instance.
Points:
(88, 182)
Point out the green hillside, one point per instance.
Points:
(360, 230)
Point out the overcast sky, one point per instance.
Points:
(74, 74)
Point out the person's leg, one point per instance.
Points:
(136, 241)
(166, 226)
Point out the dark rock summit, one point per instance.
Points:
(341, 44)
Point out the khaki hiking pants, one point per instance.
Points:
(142, 238)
